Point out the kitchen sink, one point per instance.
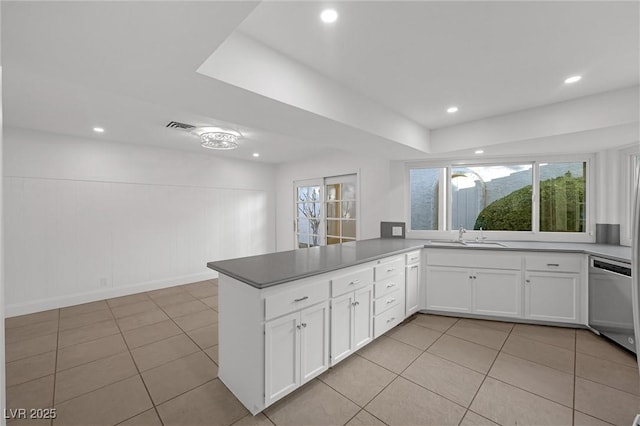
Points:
(457, 243)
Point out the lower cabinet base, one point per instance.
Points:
(503, 319)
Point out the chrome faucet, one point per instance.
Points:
(482, 237)
(460, 232)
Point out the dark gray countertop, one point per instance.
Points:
(276, 268)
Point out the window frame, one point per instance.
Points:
(446, 231)
(628, 158)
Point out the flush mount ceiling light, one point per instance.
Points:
(98, 129)
(216, 138)
(329, 16)
(479, 151)
(452, 109)
(573, 79)
(255, 154)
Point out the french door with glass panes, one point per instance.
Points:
(325, 211)
(309, 226)
(340, 201)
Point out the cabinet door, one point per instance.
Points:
(362, 317)
(341, 323)
(282, 357)
(449, 289)
(314, 341)
(412, 286)
(552, 296)
(497, 292)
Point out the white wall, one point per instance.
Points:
(374, 187)
(89, 219)
(2, 298)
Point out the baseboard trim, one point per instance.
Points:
(12, 310)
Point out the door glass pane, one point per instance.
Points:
(349, 228)
(333, 210)
(303, 226)
(492, 197)
(333, 192)
(333, 240)
(314, 240)
(348, 191)
(424, 184)
(333, 227)
(562, 197)
(303, 241)
(349, 209)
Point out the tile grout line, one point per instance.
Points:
(138, 370)
(55, 370)
(575, 361)
(488, 370)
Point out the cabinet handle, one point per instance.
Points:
(391, 300)
(304, 324)
(391, 319)
(391, 269)
(391, 285)
(301, 299)
(470, 277)
(355, 303)
(298, 326)
(414, 267)
(528, 281)
(553, 264)
(474, 277)
(354, 282)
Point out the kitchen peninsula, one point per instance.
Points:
(284, 318)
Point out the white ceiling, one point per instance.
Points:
(488, 58)
(131, 66)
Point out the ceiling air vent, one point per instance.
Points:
(177, 125)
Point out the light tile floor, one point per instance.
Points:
(150, 359)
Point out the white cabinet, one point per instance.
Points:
(478, 291)
(389, 292)
(449, 289)
(412, 283)
(351, 322)
(497, 292)
(552, 296)
(553, 287)
(296, 350)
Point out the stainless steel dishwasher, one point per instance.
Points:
(610, 300)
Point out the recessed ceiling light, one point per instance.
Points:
(98, 129)
(452, 109)
(255, 154)
(329, 16)
(573, 79)
(479, 151)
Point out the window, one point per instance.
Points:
(492, 197)
(528, 196)
(325, 211)
(630, 170)
(425, 191)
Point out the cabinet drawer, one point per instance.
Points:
(413, 257)
(557, 262)
(389, 269)
(468, 258)
(351, 281)
(386, 302)
(387, 286)
(296, 298)
(387, 320)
